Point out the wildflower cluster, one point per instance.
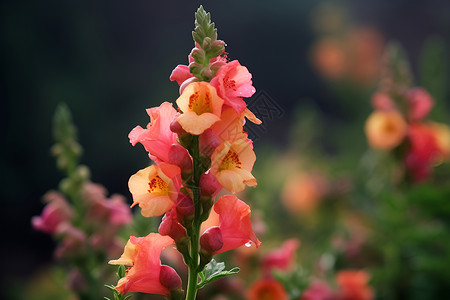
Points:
(80, 216)
(399, 122)
(198, 150)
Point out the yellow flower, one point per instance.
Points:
(232, 163)
(201, 107)
(155, 189)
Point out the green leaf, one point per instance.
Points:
(213, 271)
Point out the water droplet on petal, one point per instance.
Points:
(248, 244)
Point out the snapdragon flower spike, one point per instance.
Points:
(146, 274)
(233, 82)
(232, 216)
(201, 107)
(157, 138)
(232, 164)
(56, 212)
(155, 188)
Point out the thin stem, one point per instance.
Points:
(195, 231)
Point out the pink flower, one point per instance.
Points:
(423, 151)
(56, 212)
(233, 82)
(157, 137)
(146, 274)
(180, 74)
(233, 221)
(155, 189)
(318, 290)
(282, 258)
(382, 101)
(420, 103)
(73, 240)
(103, 210)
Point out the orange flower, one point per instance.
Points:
(329, 58)
(267, 289)
(385, 130)
(353, 285)
(155, 189)
(201, 107)
(146, 274)
(232, 163)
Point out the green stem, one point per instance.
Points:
(195, 230)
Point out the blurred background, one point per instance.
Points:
(110, 60)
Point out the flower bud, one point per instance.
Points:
(208, 142)
(169, 278)
(209, 186)
(178, 155)
(184, 138)
(186, 83)
(198, 55)
(185, 209)
(176, 128)
(211, 240)
(170, 226)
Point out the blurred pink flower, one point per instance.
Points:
(56, 211)
(318, 290)
(105, 211)
(282, 258)
(420, 103)
(157, 138)
(424, 149)
(73, 240)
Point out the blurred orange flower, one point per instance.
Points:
(354, 285)
(385, 130)
(302, 192)
(267, 289)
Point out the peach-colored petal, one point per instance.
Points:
(195, 124)
(251, 117)
(128, 256)
(153, 190)
(231, 181)
(201, 107)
